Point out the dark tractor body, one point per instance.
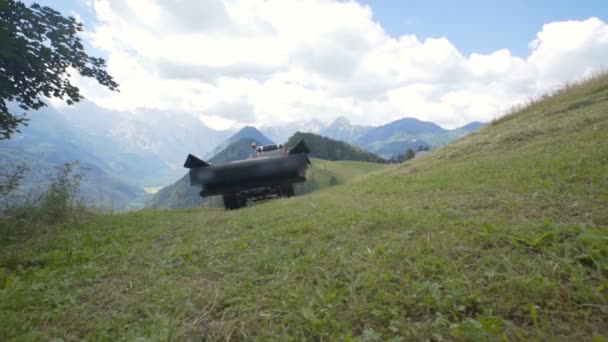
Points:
(251, 179)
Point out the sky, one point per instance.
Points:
(255, 62)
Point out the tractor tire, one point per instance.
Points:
(231, 202)
(290, 191)
(286, 190)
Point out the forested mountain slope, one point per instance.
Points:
(330, 149)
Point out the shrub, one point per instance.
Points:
(10, 177)
(60, 199)
(59, 202)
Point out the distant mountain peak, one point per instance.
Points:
(472, 126)
(340, 120)
(408, 118)
(247, 132)
(342, 129)
(412, 125)
(397, 136)
(250, 132)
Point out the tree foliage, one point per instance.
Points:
(409, 154)
(61, 197)
(330, 149)
(58, 201)
(38, 48)
(10, 176)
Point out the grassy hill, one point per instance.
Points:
(324, 173)
(501, 235)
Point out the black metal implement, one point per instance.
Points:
(251, 179)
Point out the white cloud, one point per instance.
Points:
(265, 62)
(87, 3)
(219, 123)
(570, 49)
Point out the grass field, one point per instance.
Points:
(322, 174)
(501, 235)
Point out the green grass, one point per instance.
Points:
(501, 235)
(322, 174)
(346, 170)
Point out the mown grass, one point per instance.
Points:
(325, 173)
(501, 235)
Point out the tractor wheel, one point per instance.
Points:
(290, 192)
(231, 202)
(287, 190)
(227, 201)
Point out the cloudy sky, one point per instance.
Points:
(275, 61)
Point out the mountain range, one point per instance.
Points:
(122, 153)
(126, 152)
(50, 141)
(396, 137)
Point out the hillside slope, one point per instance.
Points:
(501, 235)
(325, 173)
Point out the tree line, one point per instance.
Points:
(330, 149)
